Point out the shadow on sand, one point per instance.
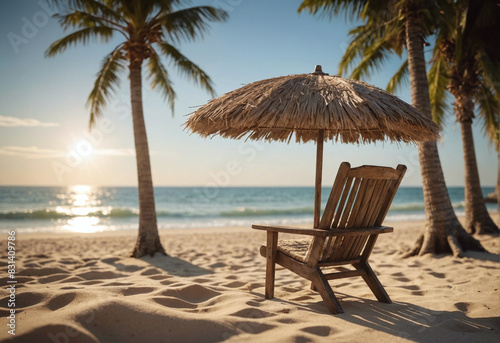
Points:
(409, 322)
(175, 266)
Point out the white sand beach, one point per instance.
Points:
(84, 288)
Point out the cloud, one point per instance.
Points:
(115, 152)
(23, 122)
(30, 152)
(34, 152)
(127, 152)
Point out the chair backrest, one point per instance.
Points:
(360, 198)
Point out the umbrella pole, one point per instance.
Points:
(319, 174)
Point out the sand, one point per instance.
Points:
(84, 288)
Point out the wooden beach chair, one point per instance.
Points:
(348, 230)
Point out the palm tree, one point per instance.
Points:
(388, 27)
(149, 29)
(466, 62)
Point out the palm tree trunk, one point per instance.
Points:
(148, 240)
(477, 218)
(443, 232)
(497, 188)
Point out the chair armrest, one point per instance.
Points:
(323, 233)
(294, 230)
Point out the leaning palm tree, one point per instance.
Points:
(466, 62)
(149, 28)
(390, 27)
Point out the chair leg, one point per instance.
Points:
(271, 247)
(326, 292)
(313, 288)
(373, 282)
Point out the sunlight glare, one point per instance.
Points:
(83, 225)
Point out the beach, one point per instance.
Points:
(75, 287)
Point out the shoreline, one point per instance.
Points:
(216, 229)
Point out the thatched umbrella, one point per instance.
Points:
(315, 107)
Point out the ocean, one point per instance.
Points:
(95, 209)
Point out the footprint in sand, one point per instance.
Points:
(438, 275)
(52, 278)
(159, 277)
(402, 279)
(302, 298)
(410, 288)
(118, 284)
(192, 293)
(42, 271)
(137, 290)
(93, 275)
(464, 307)
(53, 332)
(61, 300)
(151, 271)
(27, 299)
(173, 302)
(235, 284)
(322, 331)
(252, 313)
(254, 303)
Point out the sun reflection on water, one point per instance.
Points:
(82, 202)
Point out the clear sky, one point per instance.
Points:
(44, 138)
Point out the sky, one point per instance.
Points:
(44, 136)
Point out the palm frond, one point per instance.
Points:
(373, 58)
(81, 19)
(331, 8)
(362, 37)
(186, 67)
(438, 82)
(374, 37)
(490, 71)
(488, 105)
(189, 23)
(160, 79)
(398, 79)
(80, 36)
(106, 82)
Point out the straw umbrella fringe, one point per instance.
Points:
(348, 111)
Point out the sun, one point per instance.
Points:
(84, 149)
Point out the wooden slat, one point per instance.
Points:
(373, 204)
(341, 206)
(383, 192)
(335, 249)
(362, 200)
(392, 192)
(293, 230)
(271, 249)
(338, 213)
(374, 172)
(347, 209)
(341, 275)
(324, 233)
(338, 263)
(338, 186)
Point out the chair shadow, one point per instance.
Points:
(408, 322)
(175, 266)
(416, 323)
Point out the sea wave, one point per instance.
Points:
(57, 214)
(66, 213)
(254, 212)
(419, 206)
